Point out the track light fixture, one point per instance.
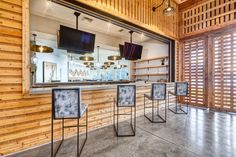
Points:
(168, 11)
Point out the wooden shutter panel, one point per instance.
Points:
(194, 70)
(224, 79)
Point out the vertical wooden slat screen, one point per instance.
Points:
(207, 16)
(177, 62)
(193, 71)
(224, 64)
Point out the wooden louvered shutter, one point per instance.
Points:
(194, 70)
(177, 62)
(224, 77)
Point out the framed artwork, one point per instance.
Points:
(126, 95)
(181, 88)
(159, 91)
(49, 71)
(66, 103)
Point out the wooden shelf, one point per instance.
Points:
(163, 74)
(150, 67)
(150, 59)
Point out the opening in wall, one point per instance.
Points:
(52, 63)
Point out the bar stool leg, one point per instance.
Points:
(78, 152)
(152, 111)
(144, 105)
(165, 110)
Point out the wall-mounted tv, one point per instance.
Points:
(132, 51)
(121, 49)
(75, 41)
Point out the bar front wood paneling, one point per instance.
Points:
(26, 122)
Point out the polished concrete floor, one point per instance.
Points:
(200, 133)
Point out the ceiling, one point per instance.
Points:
(62, 14)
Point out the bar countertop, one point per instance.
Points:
(44, 89)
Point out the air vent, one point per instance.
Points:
(87, 19)
(121, 30)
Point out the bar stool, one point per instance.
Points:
(181, 90)
(126, 98)
(66, 104)
(158, 93)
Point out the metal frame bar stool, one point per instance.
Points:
(181, 90)
(126, 98)
(158, 93)
(66, 104)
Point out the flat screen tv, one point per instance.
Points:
(121, 49)
(75, 41)
(132, 51)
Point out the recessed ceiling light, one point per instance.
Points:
(141, 36)
(48, 3)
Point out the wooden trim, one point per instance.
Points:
(25, 49)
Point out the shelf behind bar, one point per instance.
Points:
(163, 74)
(149, 67)
(145, 60)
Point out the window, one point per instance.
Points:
(194, 70)
(224, 52)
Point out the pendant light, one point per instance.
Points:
(40, 48)
(123, 66)
(168, 11)
(114, 58)
(89, 63)
(83, 58)
(86, 58)
(109, 63)
(98, 59)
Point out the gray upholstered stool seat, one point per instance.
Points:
(66, 104)
(181, 91)
(126, 99)
(158, 93)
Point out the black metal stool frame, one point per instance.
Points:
(163, 120)
(176, 103)
(79, 150)
(116, 115)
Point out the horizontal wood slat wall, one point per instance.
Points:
(206, 15)
(140, 12)
(25, 120)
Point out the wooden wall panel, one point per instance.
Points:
(25, 119)
(206, 15)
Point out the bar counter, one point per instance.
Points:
(35, 112)
(100, 99)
